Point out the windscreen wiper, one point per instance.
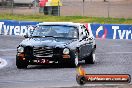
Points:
(49, 36)
(52, 37)
(37, 36)
(64, 37)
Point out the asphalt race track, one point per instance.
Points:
(112, 57)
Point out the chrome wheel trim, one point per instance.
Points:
(76, 61)
(93, 55)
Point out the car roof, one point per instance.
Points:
(60, 23)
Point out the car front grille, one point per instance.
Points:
(43, 51)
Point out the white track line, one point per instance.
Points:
(7, 49)
(115, 53)
(2, 63)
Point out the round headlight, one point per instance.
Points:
(66, 51)
(20, 49)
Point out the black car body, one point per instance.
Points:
(52, 42)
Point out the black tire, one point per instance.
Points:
(62, 64)
(21, 64)
(91, 58)
(74, 63)
(21, 67)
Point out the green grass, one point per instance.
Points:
(79, 19)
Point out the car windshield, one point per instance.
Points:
(58, 31)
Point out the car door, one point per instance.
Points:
(88, 43)
(85, 47)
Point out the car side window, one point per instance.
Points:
(85, 31)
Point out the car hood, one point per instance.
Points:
(53, 42)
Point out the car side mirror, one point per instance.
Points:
(90, 38)
(26, 36)
(84, 37)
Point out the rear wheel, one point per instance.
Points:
(91, 58)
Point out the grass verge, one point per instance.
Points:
(80, 19)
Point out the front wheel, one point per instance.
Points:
(75, 62)
(21, 64)
(91, 58)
